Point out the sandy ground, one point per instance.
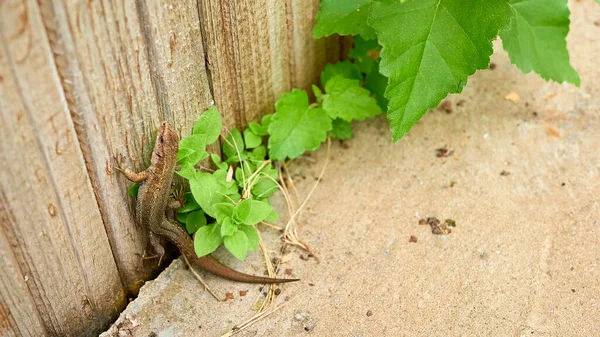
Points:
(522, 183)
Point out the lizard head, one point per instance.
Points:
(167, 141)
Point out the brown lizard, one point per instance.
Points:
(153, 194)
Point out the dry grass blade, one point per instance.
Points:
(290, 234)
(206, 287)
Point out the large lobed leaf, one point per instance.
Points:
(535, 39)
(430, 47)
(345, 17)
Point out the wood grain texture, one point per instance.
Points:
(258, 50)
(84, 82)
(59, 248)
(309, 56)
(127, 66)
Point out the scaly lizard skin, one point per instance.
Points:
(152, 199)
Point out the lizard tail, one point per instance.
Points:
(211, 265)
(178, 236)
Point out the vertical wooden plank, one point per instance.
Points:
(50, 215)
(308, 56)
(258, 50)
(18, 312)
(126, 66)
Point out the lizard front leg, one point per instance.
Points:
(129, 174)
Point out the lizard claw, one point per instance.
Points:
(119, 159)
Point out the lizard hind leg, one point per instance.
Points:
(159, 250)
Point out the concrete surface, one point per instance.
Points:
(522, 183)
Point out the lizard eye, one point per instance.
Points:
(161, 139)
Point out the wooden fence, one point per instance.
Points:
(83, 81)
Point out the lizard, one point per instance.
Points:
(152, 203)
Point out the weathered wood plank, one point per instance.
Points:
(50, 215)
(18, 313)
(308, 56)
(126, 67)
(82, 82)
(258, 50)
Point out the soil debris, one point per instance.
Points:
(438, 227)
(413, 239)
(492, 66)
(513, 97)
(552, 131)
(446, 106)
(243, 292)
(369, 313)
(443, 152)
(504, 173)
(229, 296)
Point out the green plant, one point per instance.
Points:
(431, 47)
(224, 205)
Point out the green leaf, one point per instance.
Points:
(195, 220)
(208, 191)
(347, 100)
(265, 185)
(258, 154)
(187, 171)
(232, 144)
(364, 53)
(376, 83)
(217, 160)
(264, 188)
(223, 210)
(189, 205)
(243, 172)
(207, 239)
(133, 189)
(344, 17)
(430, 47)
(295, 128)
(229, 188)
(192, 149)
(208, 125)
(535, 39)
(181, 217)
(237, 244)
(252, 235)
(252, 140)
(318, 93)
(252, 212)
(341, 129)
(258, 129)
(346, 69)
(228, 227)
(266, 120)
(274, 216)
